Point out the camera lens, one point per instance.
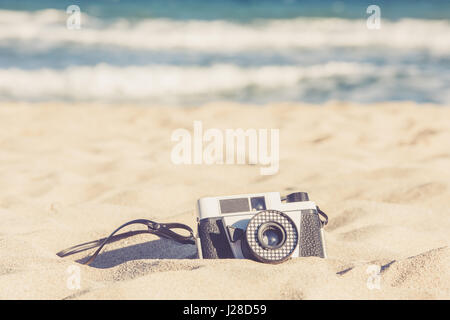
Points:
(271, 235)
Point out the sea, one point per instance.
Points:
(190, 52)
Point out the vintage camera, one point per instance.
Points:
(263, 227)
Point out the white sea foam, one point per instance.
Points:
(227, 63)
(112, 83)
(48, 28)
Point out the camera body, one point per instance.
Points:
(262, 226)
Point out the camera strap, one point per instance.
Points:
(324, 215)
(163, 230)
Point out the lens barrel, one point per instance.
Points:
(271, 236)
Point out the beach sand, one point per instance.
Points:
(73, 173)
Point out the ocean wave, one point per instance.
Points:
(174, 83)
(47, 28)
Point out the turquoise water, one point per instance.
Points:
(242, 10)
(190, 52)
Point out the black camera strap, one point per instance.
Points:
(324, 215)
(163, 230)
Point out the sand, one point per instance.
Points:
(73, 173)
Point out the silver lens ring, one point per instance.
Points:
(260, 250)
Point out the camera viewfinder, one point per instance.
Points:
(258, 203)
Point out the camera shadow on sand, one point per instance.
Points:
(155, 249)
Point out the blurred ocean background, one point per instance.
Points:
(257, 51)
